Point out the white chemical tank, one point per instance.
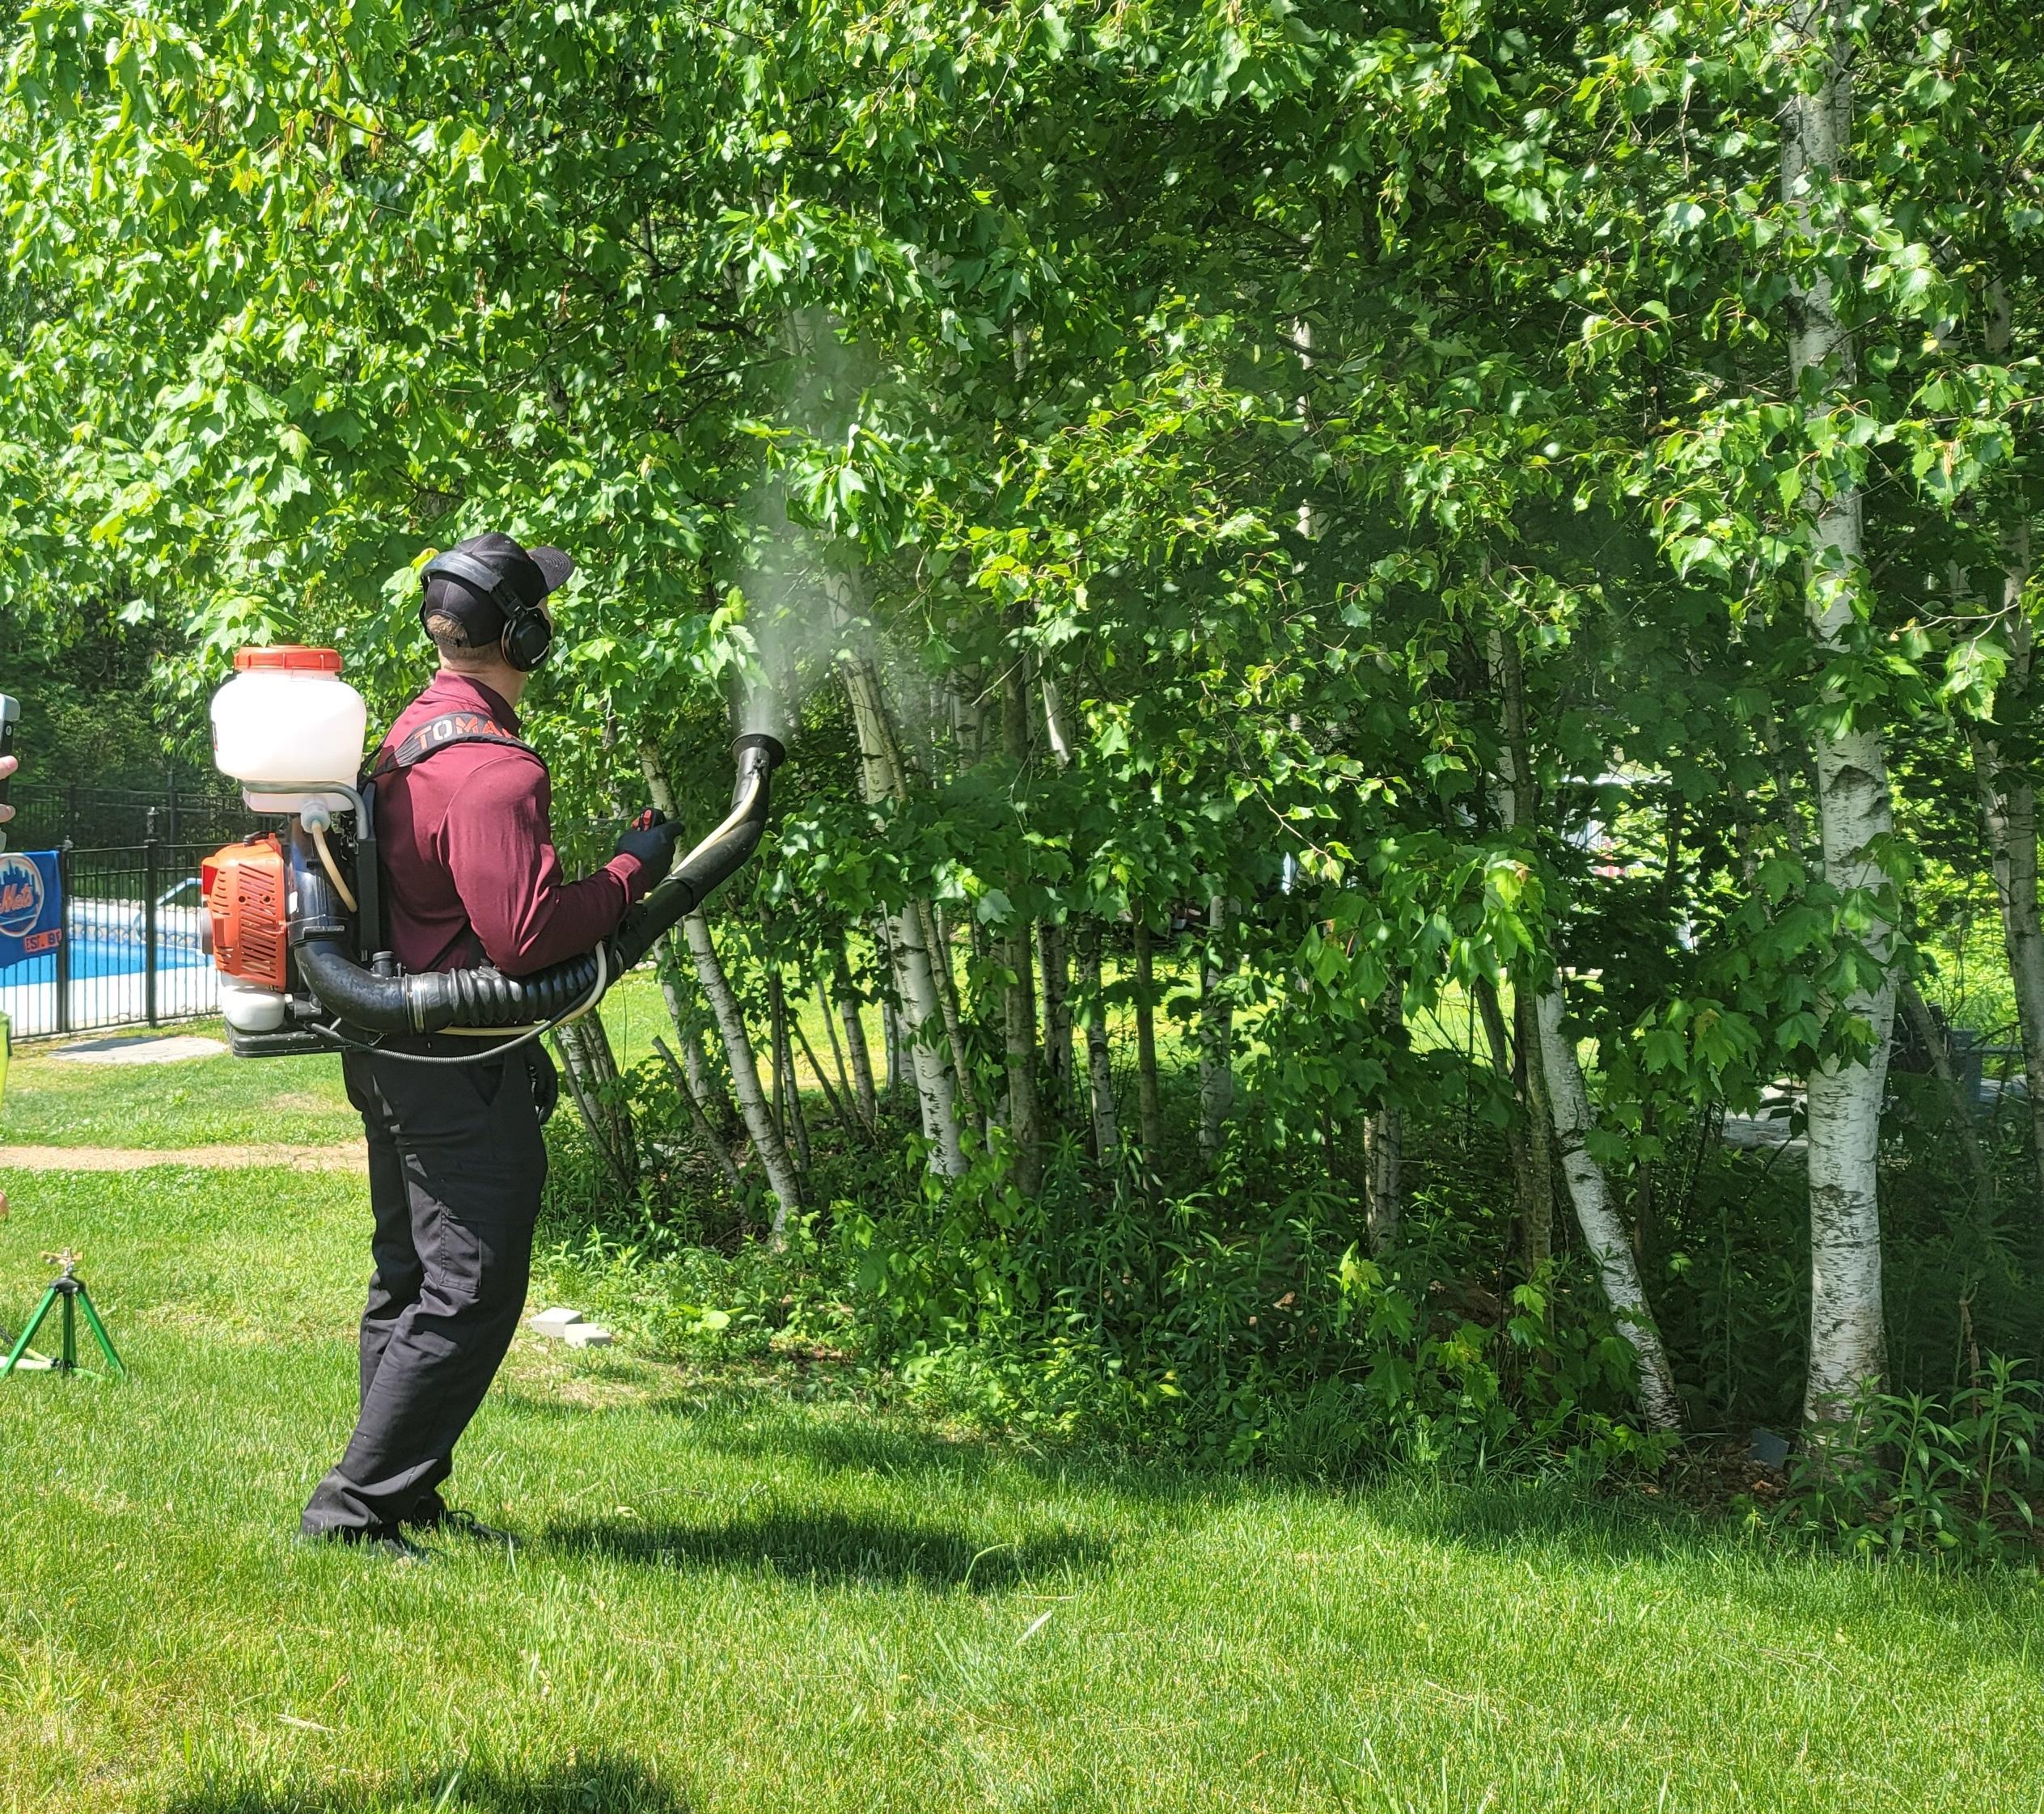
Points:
(250, 1008)
(286, 723)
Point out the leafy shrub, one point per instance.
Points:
(1233, 1324)
(1458, 1390)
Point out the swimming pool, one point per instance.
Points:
(94, 954)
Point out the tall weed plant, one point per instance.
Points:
(1951, 1478)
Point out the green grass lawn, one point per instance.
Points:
(206, 1102)
(744, 1592)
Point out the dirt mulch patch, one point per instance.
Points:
(351, 1158)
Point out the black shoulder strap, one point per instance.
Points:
(439, 733)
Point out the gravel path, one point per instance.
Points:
(347, 1158)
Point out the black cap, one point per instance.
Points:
(532, 573)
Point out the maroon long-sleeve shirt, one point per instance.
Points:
(467, 844)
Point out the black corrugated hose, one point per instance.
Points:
(358, 997)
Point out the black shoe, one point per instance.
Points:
(449, 1522)
(393, 1545)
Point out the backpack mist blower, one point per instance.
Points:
(297, 915)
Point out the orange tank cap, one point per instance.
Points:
(291, 658)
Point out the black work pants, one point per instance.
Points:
(456, 1162)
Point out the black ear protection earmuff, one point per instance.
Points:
(528, 635)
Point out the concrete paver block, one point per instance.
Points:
(556, 1321)
(586, 1335)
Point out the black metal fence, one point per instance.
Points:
(181, 809)
(135, 950)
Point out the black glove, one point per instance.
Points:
(650, 838)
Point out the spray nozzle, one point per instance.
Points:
(770, 747)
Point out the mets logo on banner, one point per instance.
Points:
(21, 894)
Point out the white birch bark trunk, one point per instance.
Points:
(709, 1135)
(2009, 809)
(1597, 1211)
(1847, 1344)
(968, 714)
(936, 940)
(1384, 1153)
(928, 1050)
(787, 1086)
(1054, 963)
(861, 1057)
(694, 1062)
(1311, 526)
(915, 980)
(782, 1177)
(891, 1037)
(1018, 944)
(1057, 729)
(895, 1085)
(1555, 1076)
(1053, 953)
(1149, 1097)
(609, 1125)
(1018, 1053)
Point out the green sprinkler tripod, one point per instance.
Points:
(67, 1290)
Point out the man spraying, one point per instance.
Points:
(456, 1159)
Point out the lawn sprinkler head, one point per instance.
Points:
(69, 1298)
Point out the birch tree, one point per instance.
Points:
(757, 1113)
(591, 1070)
(1149, 1100)
(916, 985)
(846, 1004)
(1560, 1068)
(669, 961)
(1848, 1343)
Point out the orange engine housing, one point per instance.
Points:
(245, 898)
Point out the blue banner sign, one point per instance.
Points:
(32, 906)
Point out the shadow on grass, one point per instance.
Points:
(749, 1422)
(599, 1785)
(1541, 1518)
(839, 1548)
(1500, 1515)
(1495, 1512)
